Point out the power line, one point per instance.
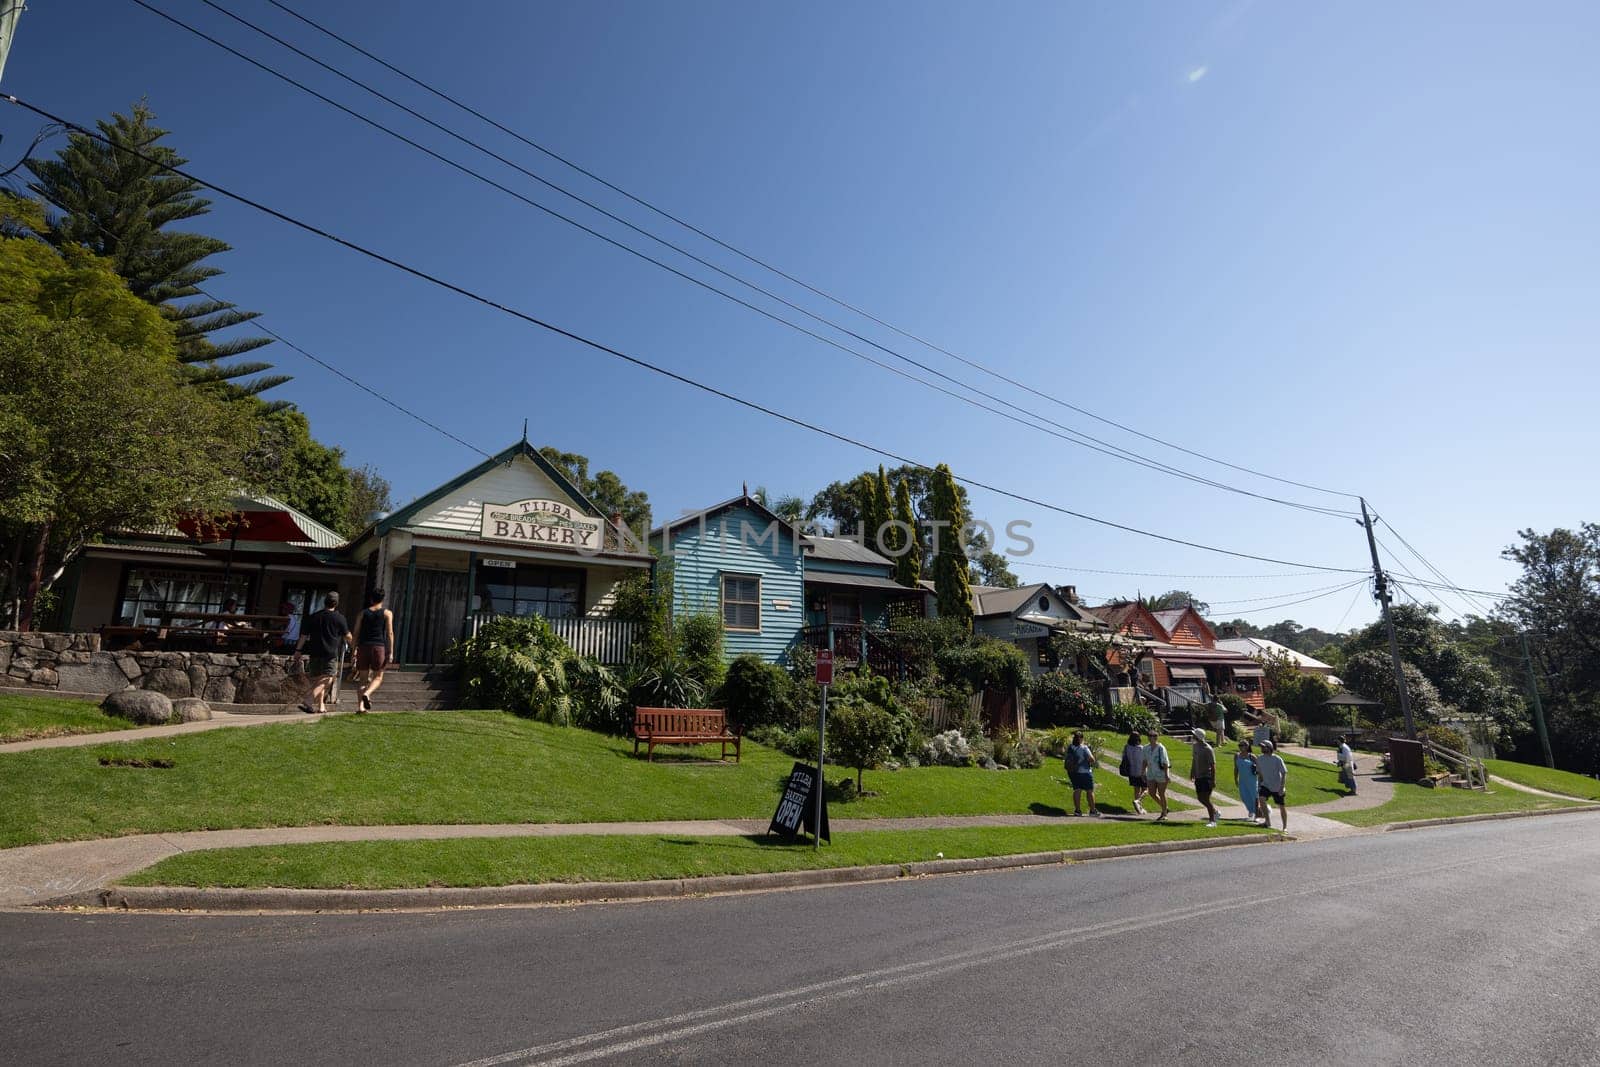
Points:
(1153, 574)
(765, 265)
(476, 297)
(1437, 572)
(435, 427)
(1292, 603)
(1068, 434)
(1349, 608)
(1276, 596)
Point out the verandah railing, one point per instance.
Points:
(610, 641)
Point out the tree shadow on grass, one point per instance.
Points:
(394, 722)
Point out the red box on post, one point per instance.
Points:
(824, 667)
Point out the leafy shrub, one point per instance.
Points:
(1236, 705)
(699, 642)
(920, 641)
(863, 734)
(1017, 751)
(984, 664)
(948, 749)
(756, 692)
(518, 664)
(1445, 736)
(1055, 741)
(1285, 731)
(1063, 699)
(665, 682)
(599, 699)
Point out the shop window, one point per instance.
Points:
(530, 589)
(741, 602)
(150, 589)
(844, 609)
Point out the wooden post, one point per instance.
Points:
(472, 576)
(405, 623)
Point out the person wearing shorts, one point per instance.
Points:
(1080, 772)
(1133, 769)
(323, 632)
(1274, 775)
(1204, 769)
(1157, 770)
(374, 642)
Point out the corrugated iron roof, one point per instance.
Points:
(844, 550)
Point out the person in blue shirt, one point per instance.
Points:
(1244, 778)
(1080, 772)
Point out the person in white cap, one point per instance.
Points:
(1274, 775)
(1204, 769)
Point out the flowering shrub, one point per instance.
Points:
(948, 749)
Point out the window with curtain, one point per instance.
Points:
(741, 602)
(151, 589)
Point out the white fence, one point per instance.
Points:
(608, 640)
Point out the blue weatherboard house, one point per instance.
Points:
(776, 588)
(743, 563)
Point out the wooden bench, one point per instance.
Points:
(683, 726)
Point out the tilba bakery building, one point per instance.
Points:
(511, 536)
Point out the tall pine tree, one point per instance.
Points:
(951, 580)
(908, 565)
(119, 205)
(881, 512)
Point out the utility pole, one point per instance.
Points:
(1381, 583)
(10, 14)
(1538, 706)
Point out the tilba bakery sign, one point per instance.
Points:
(548, 523)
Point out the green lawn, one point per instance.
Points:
(27, 718)
(458, 767)
(1310, 781)
(523, 860)
(1418, 802)
(1529, 774)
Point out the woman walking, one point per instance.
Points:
(1157, 770)
(1245, 779)
(1133, 769)
(374, 645)
(1080, 770)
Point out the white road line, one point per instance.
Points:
(620, 1040)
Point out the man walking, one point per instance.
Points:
(324, 632)
(1274, 775)
(1347, 763)
(1205, 774)
(1080, 770)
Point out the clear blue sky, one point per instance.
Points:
(1350, 244)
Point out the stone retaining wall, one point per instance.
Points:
(43, 662)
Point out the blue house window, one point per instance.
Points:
(741, 602)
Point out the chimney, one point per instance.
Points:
(1230, 631)
(1069, 593)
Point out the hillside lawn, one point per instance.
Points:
(520, 861)
(1420, 802)
(455, 767)
(1551, 781)
(26, 717)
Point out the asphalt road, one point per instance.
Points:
(1468, 944)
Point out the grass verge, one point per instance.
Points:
(528, 860)
(30, 718)
(1418, 802)
(1551, 781)
(457, 767)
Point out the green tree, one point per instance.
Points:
(862, 733)
(876, 518)
(119, 206)
(1176, 598)
(1465, 680)
(99, 437)
(1556, 602)
(988, 566)
(605, 488)
(951, 584)
(907, 565)
(302, 471)
(369, 500)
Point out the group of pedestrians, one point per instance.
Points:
(1261, 779)
(327, 634)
